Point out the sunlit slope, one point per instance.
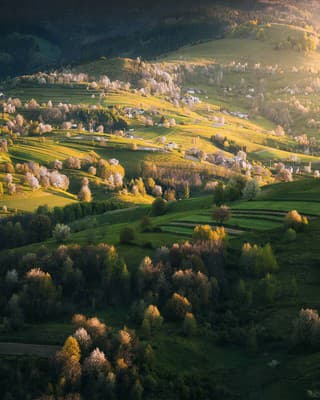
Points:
(123, 69)
(191, 123)
(249, 50)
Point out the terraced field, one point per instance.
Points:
(304, 207)
(57, 94)
(239, 223)
(259, 215)
(33, 149)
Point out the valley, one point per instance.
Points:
(159, 221)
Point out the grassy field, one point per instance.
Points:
(248, 50)
(29, 201)
(44, 152)
(57, 94)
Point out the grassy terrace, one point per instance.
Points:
(178, 223)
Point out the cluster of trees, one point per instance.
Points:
(286, 113)
(186, 283)
(36, 175)
(102, 360)
(257, 260)
(32, 298)
(293, 223)
(283, 174)
(231, 191)
(236, 188)
(227, 144)
(172, 175)
(145, 78)
(111, 171)
(304, 42)
(42, 118)
(22, 229)
(180, 282)
(92, 118)
(48, 283)
(249, 29)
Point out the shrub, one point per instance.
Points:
(146, 224)
(61, 233)
(221, 214)
(159, 206)
(251, 190)
(290, 235)
(203, 233)
(296, 221)
(127, 235)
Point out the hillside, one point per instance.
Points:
(42, 36)
(224, 359)
(159, 202)
(227, 111)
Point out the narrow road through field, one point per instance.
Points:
(17, 349)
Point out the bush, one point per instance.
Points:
(290, 235)
(146, 224)
(61, 233)
(221, 214)
(295, 221)
(159, 206)
(251, 190)
(127, 235)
